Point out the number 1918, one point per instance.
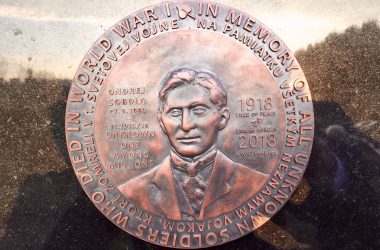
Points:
(250, 104)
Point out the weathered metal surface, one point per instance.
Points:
(189, 124)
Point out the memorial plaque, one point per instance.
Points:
(189, 124)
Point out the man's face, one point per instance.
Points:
(191, 121)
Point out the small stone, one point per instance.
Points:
(17, 32)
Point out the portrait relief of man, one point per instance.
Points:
(196, 180)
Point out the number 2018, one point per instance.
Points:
(255, 140)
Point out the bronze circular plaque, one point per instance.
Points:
(189, 124)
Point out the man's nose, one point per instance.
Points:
(187, 121)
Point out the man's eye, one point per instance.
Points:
(175, 112)
(198, 110)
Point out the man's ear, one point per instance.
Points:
(224, 117)
(159, 117)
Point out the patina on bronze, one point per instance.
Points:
(189, 124)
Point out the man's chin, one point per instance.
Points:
(189, 151)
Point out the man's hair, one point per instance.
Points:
(207, 80)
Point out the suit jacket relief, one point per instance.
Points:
(231, 184)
